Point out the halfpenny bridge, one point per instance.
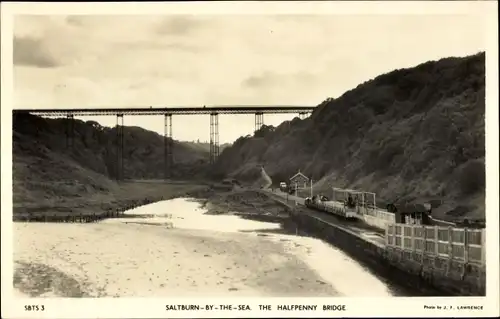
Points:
(167, 113)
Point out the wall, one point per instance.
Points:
(302, 182)
(426, 272)
(448, 257)
(379, 219)
(345, 239)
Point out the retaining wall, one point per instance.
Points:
(451, 276)
(429, 275)
(450, 257)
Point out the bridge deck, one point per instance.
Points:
(243, 109)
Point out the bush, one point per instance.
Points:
(472, 177)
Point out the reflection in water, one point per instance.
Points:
(334, 266)
(187, 213)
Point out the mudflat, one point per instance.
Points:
(115, 260)
(224, 244)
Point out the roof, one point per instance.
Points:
(299, 174)
(411, 208)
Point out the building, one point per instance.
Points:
(415, 213)
(299, 180)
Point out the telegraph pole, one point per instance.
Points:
(311, 188)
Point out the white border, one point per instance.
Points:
(368, 307)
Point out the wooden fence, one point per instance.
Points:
(466, 245)
(68, 218)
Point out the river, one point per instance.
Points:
(172, 248)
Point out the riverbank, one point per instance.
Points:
(125, 195)
(245, 203)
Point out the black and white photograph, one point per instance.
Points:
(246, 153)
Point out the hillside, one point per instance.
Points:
(46, 171)
(411, 134)
(204, 146)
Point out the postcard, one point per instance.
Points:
(250, 159)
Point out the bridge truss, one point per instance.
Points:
(167, 112)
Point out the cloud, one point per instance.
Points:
(256, 81)
(76, 21)
(269, 79)
(224, 59)
(182, 47)
(158, 45)
(177, 25)
(30, 51)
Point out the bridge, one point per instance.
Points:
(167, 113)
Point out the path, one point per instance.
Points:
(361, 229)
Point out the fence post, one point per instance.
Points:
(450, 243)
(389, 232)
(466, 246)
(424, 239)
(413, 246)
(403, 228)
(387, 235)
(483, 246)
(436, 241)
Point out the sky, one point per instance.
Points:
(195, 60)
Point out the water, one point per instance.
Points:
(187, 213)
(346, 275)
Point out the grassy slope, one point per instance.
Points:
(203, 146)
(49, 176)
(409, 134)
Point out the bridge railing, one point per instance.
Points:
(186, 110)
(466, 245)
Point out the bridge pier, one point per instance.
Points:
(214, 137)
(70, 130)
(168, 158)
(303, 115)
(119, 147)
(259, 121)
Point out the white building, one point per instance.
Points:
(300, 180)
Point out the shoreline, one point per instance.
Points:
(131, 194)
(247, 204)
